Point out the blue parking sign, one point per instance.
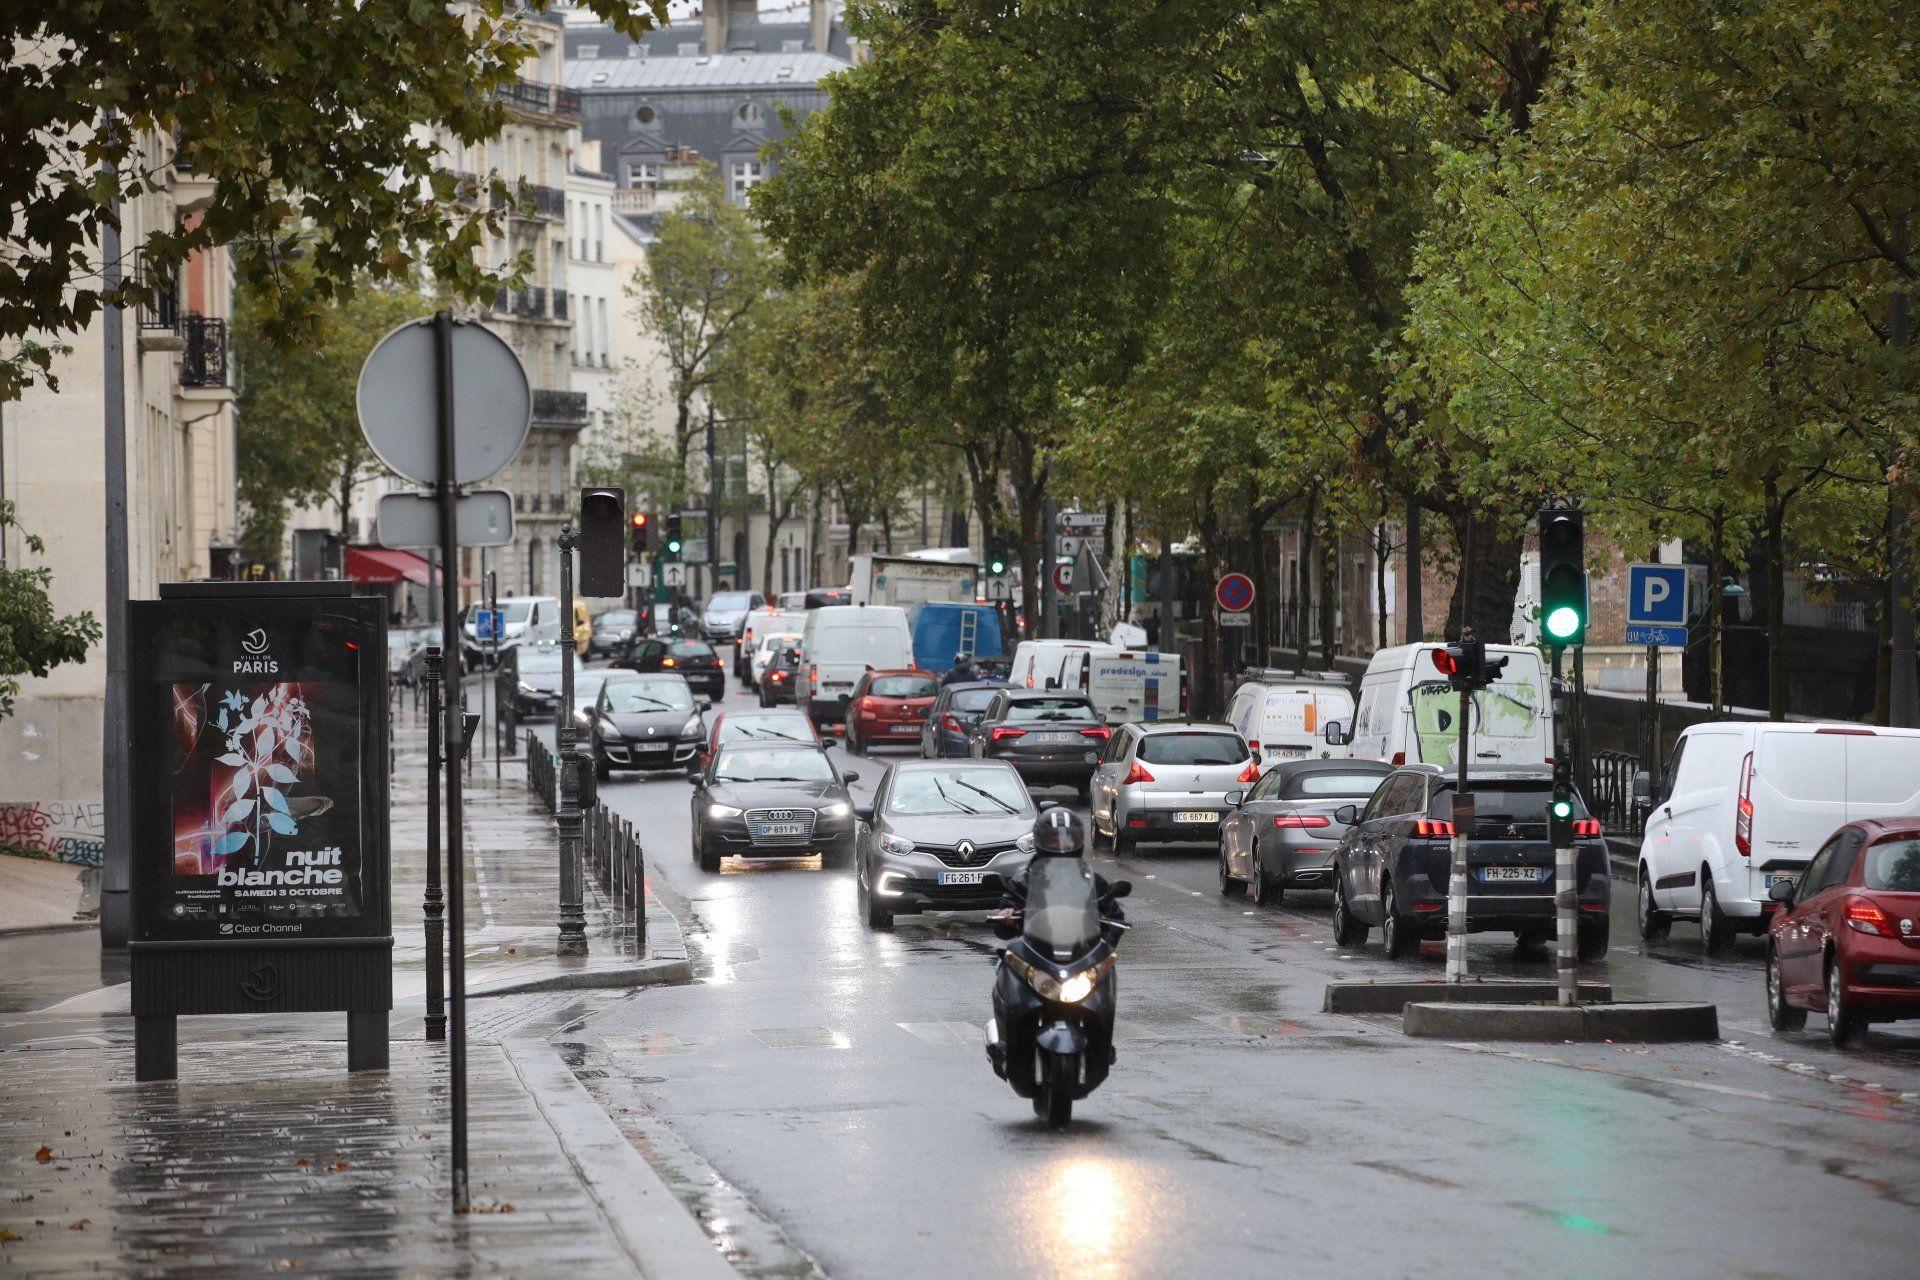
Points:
(1656, 595)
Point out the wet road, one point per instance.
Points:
(822, 1095)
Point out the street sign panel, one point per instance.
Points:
(639, 574)
(1236, 619)
(483, 518)
(1656, 596)
(489, 624)
(491, 402)
(673, 575)
(1665, 637)
(1234, 592)
(1082, 521)
(1063, 578)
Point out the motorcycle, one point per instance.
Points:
(1055, 990)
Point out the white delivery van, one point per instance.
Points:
(533, 619)
(759, 623)
(1133, 686)
(1035, 662)
(1283, 715)
(1407, 711)
(1746, 804)
(839, 644)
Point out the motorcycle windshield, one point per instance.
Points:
(1063, 906)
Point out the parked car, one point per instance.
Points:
(1391, 869)
(1745, 804)
(1406, 711)
(767, 645)
(694, 659)
(1846, 941)
(940, 836)
(646, 722)
(782, 674)
(615, 630)
(1281, 833)
(1167, 781)
(954, 709)
(405, 656)
(768, 800)
(826, 597)
(1052, 739)
(726, 613)
(841, 643)
(529, 680)
(1283, 714)
(889, 707)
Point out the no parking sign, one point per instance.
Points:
(1234, 592)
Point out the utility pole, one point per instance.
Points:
(1903, 692)
(713, 508)
(573, 920)
(116, 786)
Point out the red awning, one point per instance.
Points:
(383, 564)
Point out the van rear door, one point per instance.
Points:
(1883, 774)
(1798, 794)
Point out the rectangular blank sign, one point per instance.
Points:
(484, 518)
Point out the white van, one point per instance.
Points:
(1283, 715)
(762, 622)
(1133, 686)
(1746, 804)
(531, 618)
(1035, 662)
(1407, 710)
(839, 644)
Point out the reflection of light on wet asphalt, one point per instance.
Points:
(1084, 1217)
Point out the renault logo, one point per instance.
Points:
(964, 848)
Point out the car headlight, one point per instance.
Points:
(896, 844)
(527, 688)
(724, 811)
(1025, 843)
(838, 809)
(691, 729)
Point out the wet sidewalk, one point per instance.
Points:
(267, 1155)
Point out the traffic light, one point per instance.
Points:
(1452, 663)
(1560, 810)
(603, 560)
(672, 542)
(1563, 576)
(640, 530)
(1466, 665)
(997, 557)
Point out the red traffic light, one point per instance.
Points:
(638, 519)
(1448, 661)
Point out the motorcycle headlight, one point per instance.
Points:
(1075, 989)
(838, 809)
(1025, 843)
(724, 811)
(896, 844)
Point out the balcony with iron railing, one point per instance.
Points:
(206, 357)
(544, 99)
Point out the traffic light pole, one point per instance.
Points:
(1463, 819)
(1565, 872)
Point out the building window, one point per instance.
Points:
(636, 51)
(748, 113)
(589, 51)
(793, 46)
(688, 49)
(746, 176)
(647, 114)
(601, 330)
(644, 176)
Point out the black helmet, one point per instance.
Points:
(1056, 833)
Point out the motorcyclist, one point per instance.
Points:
(1057, 833)
(963, 671)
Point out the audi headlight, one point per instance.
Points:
(1025, 843)
(896, 844)
(724, 811)
(838, 809)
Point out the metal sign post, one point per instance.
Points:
(1463, 820)
(434, 907)
(573, 920)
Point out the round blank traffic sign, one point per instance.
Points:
(492, 407)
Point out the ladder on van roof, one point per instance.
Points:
(969, 633)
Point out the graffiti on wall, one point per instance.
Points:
(55, 830)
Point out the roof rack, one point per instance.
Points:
(1283, 675)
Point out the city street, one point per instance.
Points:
(820, 1092)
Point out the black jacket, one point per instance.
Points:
(1013, 897)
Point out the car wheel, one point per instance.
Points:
(602, 771)
(837, 857)
(1267, 890)
(1654, 923)
(878, 917)
(1230, 884)
(854, 745)
(1530, 944)
(704, 857)
(1124, 844)
(1783, 1016)
(1348, 929)
(1401, 942)
(766, 699)
(1845, 1026)
(1591, 940)
(1716, 930)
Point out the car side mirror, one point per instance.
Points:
(1053, 682)
(1643, 788)
(703, 702)
(850, 776)
(864, 812)
(1346, 815)
(1122, 888)
(829, 739)
(1336, 734)
(1236, 798)
(1782, 891)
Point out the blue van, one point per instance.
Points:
(942, 632)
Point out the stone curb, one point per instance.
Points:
(1392, 997)
(662, 1237)
(621, 977)
(60, 926)
(1648, 1023)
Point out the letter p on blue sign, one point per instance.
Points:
(1656, 595)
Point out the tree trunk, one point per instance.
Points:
(346, 507)
(1717, 612)
(778, 514)
(1029, 491)
(1488, 579)
(1775, 549)
(1207, 683)
(682, 441)
(1382, 547)
(1303, 591)
(1883, 665)
(1329, 591)
(1414, 626)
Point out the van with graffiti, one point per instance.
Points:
(1408, 713)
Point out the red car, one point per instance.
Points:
(889, 707)
(1846, 939)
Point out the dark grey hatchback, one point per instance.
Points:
(1052, 739)
(941, 835)
(954, 710)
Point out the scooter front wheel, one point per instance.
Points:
(1054, 1102)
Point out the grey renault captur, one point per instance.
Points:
(940, 835)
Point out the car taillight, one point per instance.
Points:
(1586, 826)
(1743, 813)
(1251, 773)
(867, 705)
(1432, 827)
(1098, 731)
(1399, 758)
(1864, 917)
(1311, 820)
(667, 662)
(951, 725)
(1002, 734)
(1254, 746)
(778, 676)
(1137, 774)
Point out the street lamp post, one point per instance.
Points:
(573, 920)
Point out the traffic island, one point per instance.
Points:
(1652, 1022)
(1393, 997)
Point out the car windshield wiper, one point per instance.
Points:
(664, 706)
(950, 800)
(958, 782)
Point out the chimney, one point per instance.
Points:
(713, 15)
(589, 156)
(819, 22)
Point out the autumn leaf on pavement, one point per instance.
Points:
(44, 1155)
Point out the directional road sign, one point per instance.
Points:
(1234, 592)
(1657, 605)
(1081, 521)
(673, 575)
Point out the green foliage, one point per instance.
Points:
(297, 436)
(34, 639)
(308, 116)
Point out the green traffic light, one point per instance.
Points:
(997, 567)
(674, 547)
(1563, 622)
(1563, 808)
